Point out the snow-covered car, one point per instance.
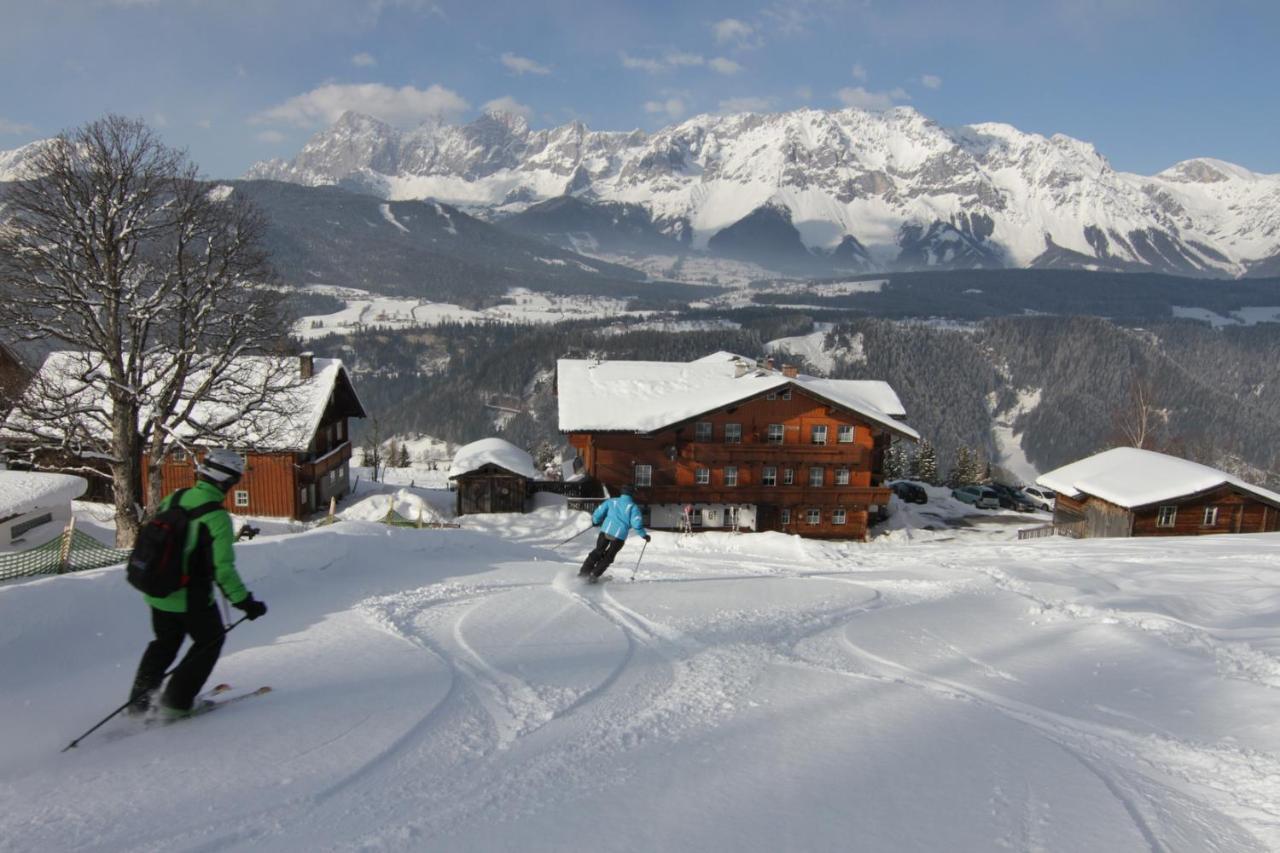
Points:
(909, 492)
(980, 496)
(1040, 498)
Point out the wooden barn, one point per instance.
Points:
(726, 442)
(297, 449)
(1132, 492)
(492, 475)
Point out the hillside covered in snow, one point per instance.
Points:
(846, 189)
(937, 689)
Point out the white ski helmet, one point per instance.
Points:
(221, 466)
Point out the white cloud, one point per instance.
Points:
(746, 105)
(7, 126)
(272, 136)
(363, 60)
(720, 65)
(804, 93)
(857, 96)
(738, 33)
(403, 106)
(510, 106)
(668, 62)
(205, 123)
(524, 65)
(931, 81)
(671, 107)
(859, 72)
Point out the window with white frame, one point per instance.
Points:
(644, 475)
(776, 434)
(702, 476)
(242, 498)
(785, 518)
(178, 454)
(817, 475)
(1210, 516)
(837, 515)
(844, 434)
(772, 395)
(769, 475)
(813, 516)
(1166, 516)
(842, 476)
(788, 476)
(818, 434)
(786, 394)
(731, 475)
(733, 433)
(695, 518)
(702, 431)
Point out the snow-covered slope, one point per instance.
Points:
(459, 690)
(869, 188)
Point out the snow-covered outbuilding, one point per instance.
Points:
(1128, 491)
(493, 475)
(729, 442)
(35, 507)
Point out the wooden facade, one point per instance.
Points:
(14, 376)
(785, 460)
(491, 488)
(1224, 509)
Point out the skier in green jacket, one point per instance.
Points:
(207, 558)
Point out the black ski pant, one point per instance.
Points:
(601, 556)
(205, 628)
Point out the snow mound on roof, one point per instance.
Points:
(404, 502)
(645, 396)
(492, 451)
(23, 491)
(1131, 477)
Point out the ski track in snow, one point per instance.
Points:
(510, 732)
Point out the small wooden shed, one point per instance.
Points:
(35, 507)
(492, 475)
(1132, 492)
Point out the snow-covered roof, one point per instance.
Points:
(287, 422)
(645, 396)
(492, 451)
(24, 491)
(1131, 477)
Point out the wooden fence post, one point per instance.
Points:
(333, 508)
(64, 553)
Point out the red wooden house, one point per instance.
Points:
(724, 442)
(1132, 492)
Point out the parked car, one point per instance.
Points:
(1011, 498)
(909, 492)
(980, 496)
(1041, 497)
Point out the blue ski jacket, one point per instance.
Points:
(620, 516)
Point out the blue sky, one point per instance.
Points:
(1149, 82)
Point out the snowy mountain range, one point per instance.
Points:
(849, 189)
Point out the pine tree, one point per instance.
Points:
(924, 466)
(895, 461)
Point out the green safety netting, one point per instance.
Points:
(56, 557)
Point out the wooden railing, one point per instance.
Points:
(848, 496)
(1073, 529)
(313, 469)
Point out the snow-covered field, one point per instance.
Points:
(459, 689)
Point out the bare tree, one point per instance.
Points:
(372, 449)
(1138, 421)
(156, 284)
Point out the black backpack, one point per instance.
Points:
(155, 564)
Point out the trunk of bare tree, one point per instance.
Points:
(125, 481)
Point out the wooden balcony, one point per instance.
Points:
(711, 453)
(850, 497)
(313, 469)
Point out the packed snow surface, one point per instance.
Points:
(23, 491)
(460, 690)
(643, 396)
(492, 451)
(1131, 477)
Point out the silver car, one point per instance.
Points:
(1042, 498)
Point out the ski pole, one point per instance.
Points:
(638, 559)
(573, 537)
(134, 698)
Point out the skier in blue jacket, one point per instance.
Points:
(617, 517)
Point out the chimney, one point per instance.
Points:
(740, 369)
(768, 362)
(790, 371)
(306, 365)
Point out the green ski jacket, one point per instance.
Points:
(219, 536)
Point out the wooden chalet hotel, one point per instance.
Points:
(738, 444)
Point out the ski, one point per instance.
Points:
(214, 704)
